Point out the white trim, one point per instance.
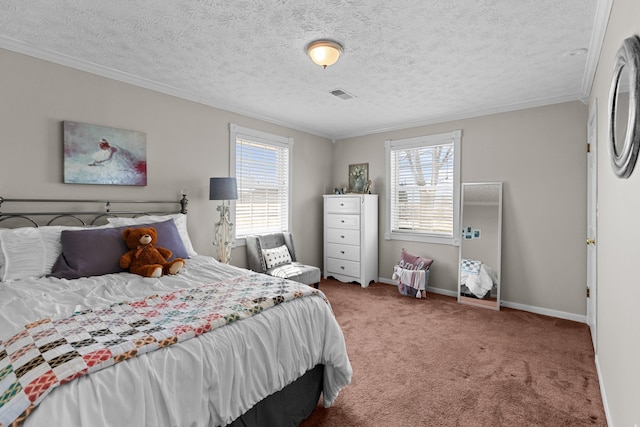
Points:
(439, 291)
(265, 138)
(605, 403)
(99, 70)
(110, 73)
(422, 237)
(514, 305)
(603, 10)
(545, 311)
(455, 137)
(420, 141)
(259, 136)
(592, 222)
(460, 116)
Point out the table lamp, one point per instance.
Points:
(223, 189)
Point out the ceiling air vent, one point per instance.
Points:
(341, 94)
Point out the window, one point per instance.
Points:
(423, 187)
(261, 163)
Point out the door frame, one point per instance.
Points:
(592, 222)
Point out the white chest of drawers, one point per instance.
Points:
(351, 238)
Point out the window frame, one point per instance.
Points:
(419, 142)
(268, 139)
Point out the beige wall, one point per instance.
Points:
(540, 156)
(187, 143)
(618, 313)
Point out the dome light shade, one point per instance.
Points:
(324, 52)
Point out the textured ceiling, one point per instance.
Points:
(407, 62)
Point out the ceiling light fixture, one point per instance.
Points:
(324, 52)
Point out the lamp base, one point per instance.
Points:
(223, 234)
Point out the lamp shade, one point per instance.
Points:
(223, 189)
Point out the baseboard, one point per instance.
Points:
(545, 311)
(503, 303)
(603, 394)
(440, 291)
(387, 281)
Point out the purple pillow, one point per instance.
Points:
(90, 252)
(413, 262)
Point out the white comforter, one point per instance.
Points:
(206, 381)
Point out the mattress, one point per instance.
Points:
(208, 380)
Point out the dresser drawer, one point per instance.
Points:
(339, 266)
(344, 236)
(342, 204)
(343, 221)
(346, 252)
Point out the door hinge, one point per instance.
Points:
(588, 293)
(588, 147)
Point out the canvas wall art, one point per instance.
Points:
(103, 155)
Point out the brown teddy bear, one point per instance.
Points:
(144, 258)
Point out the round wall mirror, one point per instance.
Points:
(624, 135)
(621, 110)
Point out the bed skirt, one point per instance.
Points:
(287, 407)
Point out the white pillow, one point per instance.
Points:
(276, 256)
(24, 253)
(31, 252)
(179, 219)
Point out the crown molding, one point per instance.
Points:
(92, 68)
(600, 22)
(102, 71)
(460, 116)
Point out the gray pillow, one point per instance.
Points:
(88, 253)
(168, 237)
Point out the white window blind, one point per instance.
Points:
(423, 188)
(261, 167)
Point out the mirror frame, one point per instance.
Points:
(498, 267)
(628, 55)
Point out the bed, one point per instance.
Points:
(265, 360)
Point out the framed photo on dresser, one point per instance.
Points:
(358, 177)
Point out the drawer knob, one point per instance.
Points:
(342, 252)
(342, 237)
(342, 267)
(342, 221)
(341, 204)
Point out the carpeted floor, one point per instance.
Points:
(434, 362)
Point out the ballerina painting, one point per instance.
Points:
(102, 155)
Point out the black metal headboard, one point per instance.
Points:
(86, 212)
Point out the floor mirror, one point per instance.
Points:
(480, 244)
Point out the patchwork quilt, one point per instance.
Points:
(51, 352)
